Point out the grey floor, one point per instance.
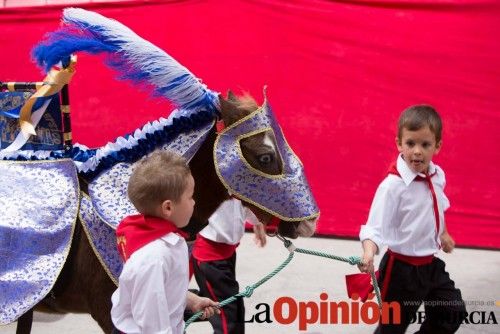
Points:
(475, 272)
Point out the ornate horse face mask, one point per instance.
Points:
(286, 194)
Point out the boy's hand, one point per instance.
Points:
(259, 237)
(208, 306)
(447, 242)
(367, 262)
(369, 251)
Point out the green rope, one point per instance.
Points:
(376, 289)
(246, 293)
(352, 260)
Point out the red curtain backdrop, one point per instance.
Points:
(338, 75)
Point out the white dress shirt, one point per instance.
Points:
(402, 212)
(151, 296)
(227, 224)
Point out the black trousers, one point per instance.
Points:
(217, 281)
(412, 285)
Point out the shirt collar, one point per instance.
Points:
(171, 238)
(407, 174)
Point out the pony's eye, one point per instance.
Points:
(265, 158)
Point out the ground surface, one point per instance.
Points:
(475, 272)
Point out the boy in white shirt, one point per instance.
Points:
(153, 286)
(214, 261)
(407, 215)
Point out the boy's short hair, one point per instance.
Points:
(160, 176)
(418, 116)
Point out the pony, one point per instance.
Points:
(247, 157)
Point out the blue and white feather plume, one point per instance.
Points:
(135, 60)
(133, 57)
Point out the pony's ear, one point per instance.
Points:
(224, 104)
(231, 96)
(228, 109)
(225, 109)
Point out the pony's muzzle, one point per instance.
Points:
(294, 230)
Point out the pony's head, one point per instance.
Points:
(256, 165)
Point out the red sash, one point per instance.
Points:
(136, 231)
(208, 250)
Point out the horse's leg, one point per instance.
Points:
(83, 286)
(24, 323)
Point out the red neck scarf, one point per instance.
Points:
(394, 170)
(136, 231)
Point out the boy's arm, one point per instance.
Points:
(369, 250)
(382, 212)
(259, 237)
(259, 229)
(447, 242)
(196, 303)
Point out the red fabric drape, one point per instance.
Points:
(338, 75)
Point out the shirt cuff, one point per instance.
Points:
(368, 232)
